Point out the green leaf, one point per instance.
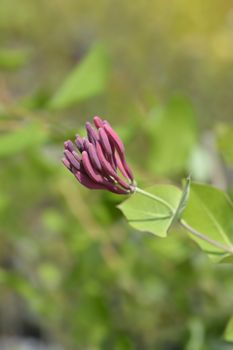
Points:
(228, 334)
(88, 79)
(145, 214)
(173, 134)
(13, 59)
(225, 142)
(18, 140)
(228, 259)
(210, 212)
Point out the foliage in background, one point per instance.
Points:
(68, 258)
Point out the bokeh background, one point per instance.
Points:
(74, 275)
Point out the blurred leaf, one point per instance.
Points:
(201, 164)
(88, 79)
(4, 201)
(13, 59)
(24, 288)
(173, 134)
(173, 247)
(50, 275)
(210, 211)
(228, 259)
(53, 220)
(228, 335)
(197, 334)
(36, 100)
(18, 140)
(145, 214)
(225, 142)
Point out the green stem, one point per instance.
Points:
(156, 198)
(218, 245)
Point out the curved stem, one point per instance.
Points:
(223, 247)
(156, 198)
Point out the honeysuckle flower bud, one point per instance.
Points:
(66, 163)
(94, 157)
(76, 155)
(74, 163)
(91, 133)
(105, 142)
(79, 143)
(99, 161)
(98, 122)
(69, 146)
(120, 150)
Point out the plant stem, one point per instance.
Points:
(228, 249)
(155, 198)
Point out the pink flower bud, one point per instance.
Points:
(105, 142)
(91, 133)
(98, 122)
(79, 143)
(91, 172)
(73, 161)
(101, 158)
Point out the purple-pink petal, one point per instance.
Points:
(91, 172)
(120, 150)
(108, 168)
(120, 165)
(128, 170)
(69, 145)
(98, 122)
(66, 163)
(79, 142)
(105, 142)
(76, 156)
(93, 157)
(115, 138)
(87, 182)
(73, 161)
(85, 144)
(91, 133)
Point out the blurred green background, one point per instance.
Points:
(73, 273)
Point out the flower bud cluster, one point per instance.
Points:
(98, 161)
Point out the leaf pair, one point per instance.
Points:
(208, 210)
